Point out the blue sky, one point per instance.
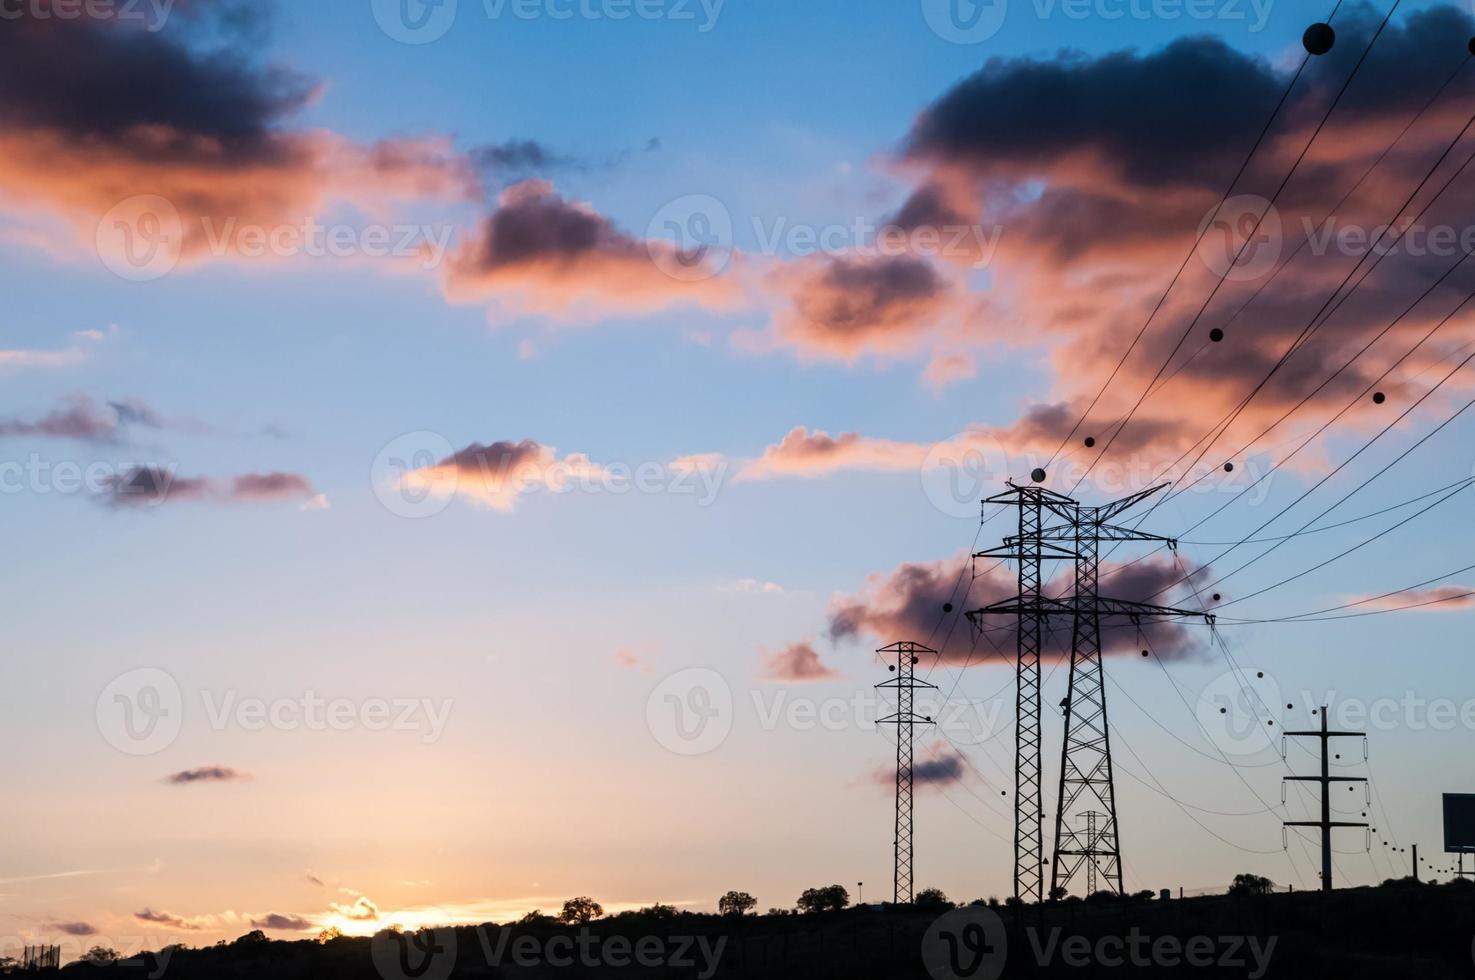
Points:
(548, 780)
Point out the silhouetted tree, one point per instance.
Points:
(100, 956)
(736, 904)
(932, 899)
(1058, 892)
(658, 911)
(831, 898)
(1248, 884)
(252, 938)
(582, 910)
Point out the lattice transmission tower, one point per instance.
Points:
(1086, 778)
(905, 720)
(1029, 551)
(1087, 783)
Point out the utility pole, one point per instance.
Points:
(1326, 823)
(904, 683)
(1029, 551)
(1416, 862)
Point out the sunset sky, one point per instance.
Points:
(397, 416)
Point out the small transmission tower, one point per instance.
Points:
(1029, 551)
(905, 720)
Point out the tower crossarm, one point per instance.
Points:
(1098, 532)
(1010, 549)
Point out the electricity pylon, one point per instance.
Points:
(1029, 551)
(1086, 777)
(1326, 823)
(905, 720)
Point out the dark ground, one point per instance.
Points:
(1395, 931)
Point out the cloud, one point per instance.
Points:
(804, 453)
(907, 604)
(947, 369)
(842, 306)
(628, 659)
(797, 662)
(540, 253)
(207, 774)
(754, 585)
(98, 113)
(153, 485)
(73, 928)
(500, 474)
(362, 910)
(162, 918)
(1098, 171)
(1443, 598)
(939, 764)
(279, 922)
(79, 418)
(314, 879)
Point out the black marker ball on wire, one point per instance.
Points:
(1090, 442)
(1038, 475)
(1379, 398)
(1471, 45)
(947, 607)
(1216, 335)
(1318, 39)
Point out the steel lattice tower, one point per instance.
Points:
(1091, 817)
(1086, 779)
(905, 719)
(1029, 550)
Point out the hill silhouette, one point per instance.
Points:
(1401, 928)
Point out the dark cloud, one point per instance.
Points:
(908, 603)
(165, 919)
(74, 928)
(207, 774)
(843, 304)
(79, 419)
(938, 765)
(146, 485)
(1185, 113)
(534, 226)
(282, 923)
(271, 486)
(518, 158)
(92, 79)
(498, 459)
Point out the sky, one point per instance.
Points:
(460, 457)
